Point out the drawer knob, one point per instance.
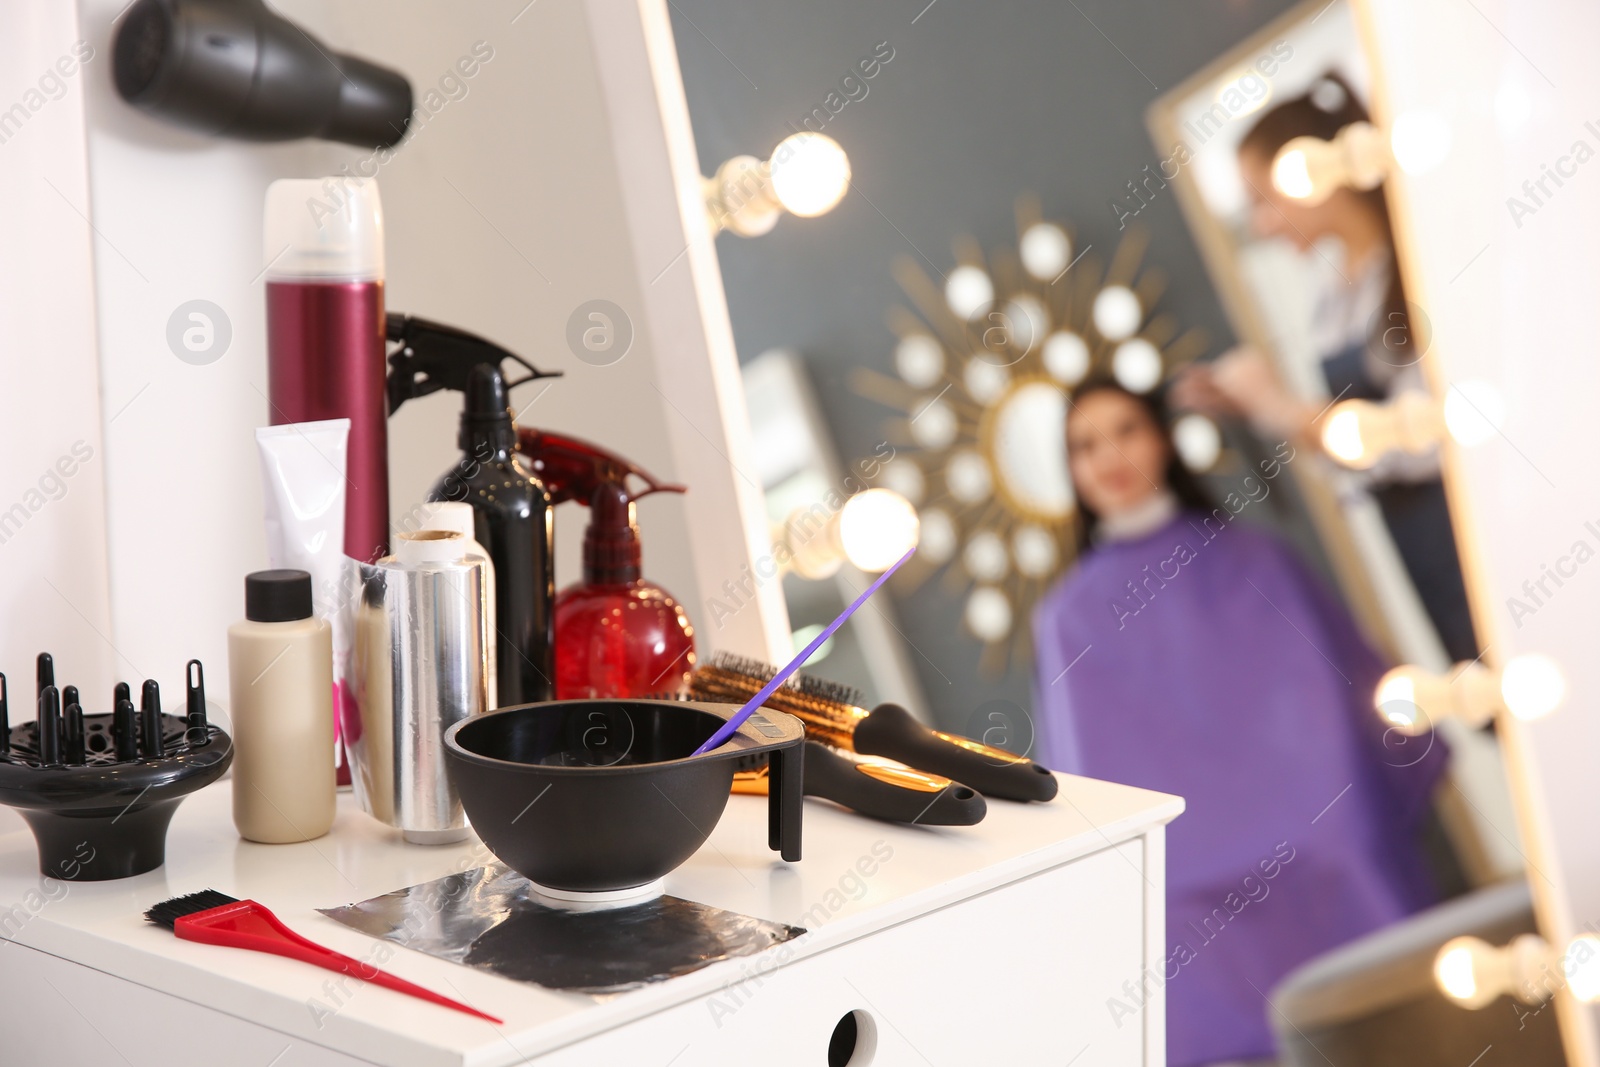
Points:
(855, 1040)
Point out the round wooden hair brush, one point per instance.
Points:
(833, 714)
(868, 785)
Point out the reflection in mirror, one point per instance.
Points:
(1283, 193)
(986, 367)
(1027, 451)
(810, 495)
(1235, 680)
(1288, 206)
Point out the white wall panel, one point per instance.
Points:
(54, 593)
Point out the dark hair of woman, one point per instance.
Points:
(1322, 112)
(1183, 484)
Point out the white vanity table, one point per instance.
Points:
(990, 944)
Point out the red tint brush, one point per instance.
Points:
(214, 918)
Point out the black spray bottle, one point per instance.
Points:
(515, 523)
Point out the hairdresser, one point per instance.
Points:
(1369, 345)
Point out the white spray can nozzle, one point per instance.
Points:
(323, 229)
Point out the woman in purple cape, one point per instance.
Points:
(1192, 654)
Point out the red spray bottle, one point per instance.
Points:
(617, 635)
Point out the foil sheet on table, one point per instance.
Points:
(485, 918)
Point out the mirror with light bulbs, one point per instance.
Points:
(1343, 365)
(1335, 351)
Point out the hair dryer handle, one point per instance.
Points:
(886, 791)
(891, 731)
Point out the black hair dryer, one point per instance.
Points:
(235, 68)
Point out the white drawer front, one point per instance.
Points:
(1020, 974)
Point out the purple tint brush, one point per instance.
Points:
(727, 729)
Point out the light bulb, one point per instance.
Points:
(968, 291)
(1358, 433)
(1198, 441)
(1341, 436)
(805, 635)
(935, 426)
(739, 198)
(985, 381)
(1136, 365)
(1066, 357)
(1291, 173)
(904, 477)
(1116, 312)
(988, 613)
(1413, 700)
(1045, 250)
(937, 536)
(919, 359)
(1581, 965)
(1025, 322)
(1034, 550)
(1532, 686)
(876, 528)
(967, 477)
(1396, 686)
(1475, 974)
(810, 173)
(1455, 970)
(985, 556)
(872, 531)
(1311, 169)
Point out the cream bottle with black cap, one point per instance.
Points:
(280, 678)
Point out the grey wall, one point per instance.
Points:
(979, 103)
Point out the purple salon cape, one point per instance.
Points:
(1204, 660)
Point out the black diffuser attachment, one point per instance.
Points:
(99, 790)
(235, 68)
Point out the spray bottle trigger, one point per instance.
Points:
(432, 356)
(572, 469)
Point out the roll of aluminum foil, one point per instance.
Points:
(419, 665)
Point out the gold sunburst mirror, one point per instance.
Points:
(986, 361)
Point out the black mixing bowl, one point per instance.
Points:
(597, 796)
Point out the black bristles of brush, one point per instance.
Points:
(168, 912)
(811, 686)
